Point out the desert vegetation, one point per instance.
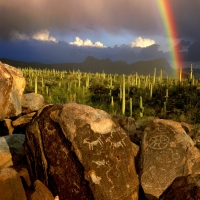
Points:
(130, 95)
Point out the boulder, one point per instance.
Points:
(186, 187)
(167, 152)
(11, 150)
(129, 125)
(32, 101)
(41, 192)
(80, 153)
(11, 187)
(12, 84)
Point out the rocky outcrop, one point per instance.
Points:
(12, 84)
(167, 153)
(11, 187)
(80, 153)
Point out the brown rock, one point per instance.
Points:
(11, 187)
(89, 157)
(12, 84)
(32, 101)
(24, 175)
(41, 192)
(23, 119)
(186, 187)
(5, 155)
(167, 153)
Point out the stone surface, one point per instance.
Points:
(11, 150)
(11, 187)
(32, 101)
(167, 152)
(24, 119)
(186, 187)
(5, 155)
(24, 175)
(41, 192)
(81, 154)
(12, 84)
(6, 127)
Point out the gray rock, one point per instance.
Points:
(32, 101)
(11, 150)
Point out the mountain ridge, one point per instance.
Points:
(93, 65)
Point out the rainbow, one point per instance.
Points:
(171, 33)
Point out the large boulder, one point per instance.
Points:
(167, 152)
(12, 84)
(80, 153)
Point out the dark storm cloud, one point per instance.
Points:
(140, 17)
(193, 53)
(51, 52)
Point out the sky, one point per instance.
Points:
(59, 31)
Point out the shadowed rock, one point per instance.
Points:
(12, 84)
(167, 153)
(11, 150)
(6, 127)
(186, 187)
(80, 153)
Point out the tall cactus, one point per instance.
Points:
(36, 86)
(123, 94)
(131, 107)
(141, 108)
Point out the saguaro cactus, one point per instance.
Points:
(141, 108)
(123, 95)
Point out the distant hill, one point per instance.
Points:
(94, 65)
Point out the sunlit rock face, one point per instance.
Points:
(167, 152)
(12, 84)
(80, 153)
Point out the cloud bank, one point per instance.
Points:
(140, 42)
(87, 43)
(63, 17)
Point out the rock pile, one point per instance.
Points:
(72, 151)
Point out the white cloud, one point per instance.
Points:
(142, 42)
(86, 42)
(44, 36)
